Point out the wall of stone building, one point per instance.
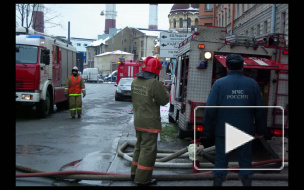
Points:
(257, 21)
(194, 21)
(120, 41)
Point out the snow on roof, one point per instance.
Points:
(151, 32)
(119, 52)
(99, 42)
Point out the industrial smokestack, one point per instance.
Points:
(38, 18)
(110, 21)
(153, 16)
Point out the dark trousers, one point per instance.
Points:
(144, 156)
(244, 156)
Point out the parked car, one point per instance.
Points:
(123, 90)
(111, 77)
(100, 78)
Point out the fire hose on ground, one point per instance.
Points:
(162, 162)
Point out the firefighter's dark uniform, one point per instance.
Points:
(73, 87)
(147, 96)
(234, 90)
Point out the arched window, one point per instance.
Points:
(180, 23)
(174, 23)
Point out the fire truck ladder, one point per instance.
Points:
(281, 99)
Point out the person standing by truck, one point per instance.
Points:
(147, 95)
(74, 85)
(234, 90)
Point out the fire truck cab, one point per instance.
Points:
(128, 69)
(201, 61)
(43, 64)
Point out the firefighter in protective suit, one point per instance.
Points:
(74, 85)
(147, 95)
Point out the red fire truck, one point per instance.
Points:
(201, 61)
(128, 69)
(43, 64)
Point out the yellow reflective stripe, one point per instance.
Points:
(75, 108)
(74, 94)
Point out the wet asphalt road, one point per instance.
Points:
(50, 143)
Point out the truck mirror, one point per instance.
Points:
(46, 52)
(46, 59)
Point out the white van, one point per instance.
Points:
(90, 75)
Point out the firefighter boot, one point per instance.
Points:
(246, 180)
(152, 182)
(218, 180)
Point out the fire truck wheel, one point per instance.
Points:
(43, 106)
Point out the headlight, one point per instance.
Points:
(118, 90)
(207, 55)
(27, 97)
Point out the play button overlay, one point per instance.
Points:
(235, 138)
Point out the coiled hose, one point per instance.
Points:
(93, 175)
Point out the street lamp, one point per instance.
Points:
(186, 19)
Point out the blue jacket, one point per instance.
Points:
(235, 89)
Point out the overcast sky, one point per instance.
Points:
(86, 22)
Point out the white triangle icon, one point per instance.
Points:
(235, 138)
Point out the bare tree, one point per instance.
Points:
(25, 15)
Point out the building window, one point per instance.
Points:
(226, 17)
(85, 45)
(229, 13)
(242, 8)
(252, 31)
(265, 27)
(237, 11)
(78, 44)
(180, 23)
(258, 29)
(141, 43)
(282, 22)
(219, 22)
(208, 7)
(174, 23)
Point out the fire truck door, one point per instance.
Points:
(56, 66)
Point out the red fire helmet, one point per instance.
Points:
(152, 64)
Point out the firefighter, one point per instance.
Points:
(147, 95)
(235, 89)
(74, 85)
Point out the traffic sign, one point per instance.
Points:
(169, 43)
